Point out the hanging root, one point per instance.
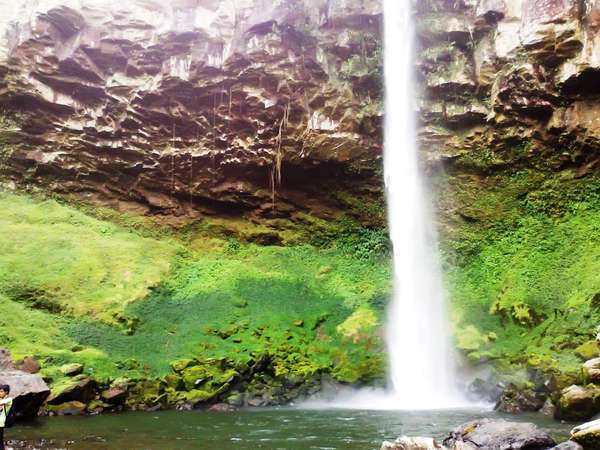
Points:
(278, 159)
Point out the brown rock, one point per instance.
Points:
(173, 116)
(114, 396)
(29, 364)
(578, 403)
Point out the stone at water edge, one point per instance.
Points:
(587, 434)
(413, 443)
(81, 390)
(498, 435)
(569, 445)
(29, 391)
(578, 403)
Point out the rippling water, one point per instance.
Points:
(289, 429)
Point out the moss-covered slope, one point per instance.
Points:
(128, 300)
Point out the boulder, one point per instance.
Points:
(413, 443)
(82, 390)
(578, 403)
(591, 371)
(587, 435)
(28, 390)
(515, 401)
(114, 396)
(498, 435)
(587, 350)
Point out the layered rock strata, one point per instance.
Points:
(505, 82)
(194, 107)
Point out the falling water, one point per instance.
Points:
(421, 363)
(422, 370)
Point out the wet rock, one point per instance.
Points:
(489, 390)
(222, 407)
(82, 390)
(514, 400)
(498, 435)
(591, 371)
(71, 408)
(413, 443)
(548, 409)
(191, 109)
(72, 369)
(569, 445)
(578, 403)
(587, 435)
(28, 390)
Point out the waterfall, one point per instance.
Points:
(418, 341)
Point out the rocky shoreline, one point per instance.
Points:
(501, 435)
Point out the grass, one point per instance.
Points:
(60, 259)
(236, 304)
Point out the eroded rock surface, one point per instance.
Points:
(194, 107)
(505, 82)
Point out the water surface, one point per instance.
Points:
(273, 429)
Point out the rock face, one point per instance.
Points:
(498, 435)
(506, 81)
(190, 108)
(29, 391)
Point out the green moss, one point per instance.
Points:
(58, 259)
(159, 303)
(523, 262)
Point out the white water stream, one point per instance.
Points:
(422, 369)
(419, 346)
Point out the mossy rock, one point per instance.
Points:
(173, 381)
(71, 370)
(578, 403)
(588, 350)
(182, 364)
(73, 408)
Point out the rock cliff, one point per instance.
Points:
(506, 81)
(190, 108)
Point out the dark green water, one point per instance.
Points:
(289, 429)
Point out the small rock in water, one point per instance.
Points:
(222, 407)
(413, 443)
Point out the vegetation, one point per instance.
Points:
(523, 265)
(75, 288)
